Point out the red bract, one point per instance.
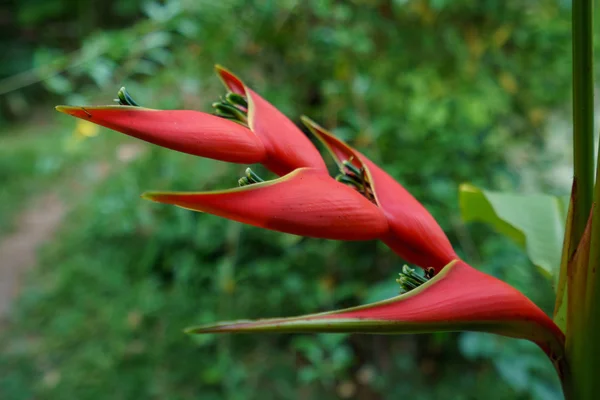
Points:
(190, 132)
(458, 298)
(270, 138)
(287, 147)
(414, 234)
(305, 202)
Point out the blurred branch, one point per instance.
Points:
(43, 72)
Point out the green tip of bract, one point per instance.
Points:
(149, 196)
(312, 126)
(220, 68)
(307, 121)
(230, 80)
(75, 111)
(230, 326)
(67, 109)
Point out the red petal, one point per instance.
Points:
(458, 298)
(288, 148)
(305, 202)
(414, 234)
(232, 82)
(190, 132)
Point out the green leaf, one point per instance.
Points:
(561, 304)
(536, 222)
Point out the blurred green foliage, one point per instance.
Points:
(436, 91)
(31, 164)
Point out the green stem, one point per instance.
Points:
(579, 355)
(566, 379)
(583, 112)
(591, 324)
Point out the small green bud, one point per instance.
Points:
(125, 99)
(410, 279)
(229, 111)
(250, 178)
(353, 168)
(349, 180)
(236, 100)
(253, 177)
(234, 107)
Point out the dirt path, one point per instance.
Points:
(35, 225)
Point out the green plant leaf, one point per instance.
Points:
(536, 222)
(561, 304)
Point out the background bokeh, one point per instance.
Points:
(439, 92)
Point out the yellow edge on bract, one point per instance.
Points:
(441, 275)
(153, 195)
(312, 323)
(319, 132)
(219, 68)
(65, 109)
(251, 110)
(251, 107)
(509, 328)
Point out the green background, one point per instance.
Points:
(438, 92)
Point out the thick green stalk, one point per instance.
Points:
(579, 355)
(591, 344)
(592, 328)
(583, 112)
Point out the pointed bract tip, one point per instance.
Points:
(239, 326)
(230, 80)
(219, 68)
(152, 196)
(71, 110)
(305, 119)
(309, 123)
(242, 325)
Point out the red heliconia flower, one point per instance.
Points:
(458, 298)
(361, 203)
(305, 202)
(259, 134)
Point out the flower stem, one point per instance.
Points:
(580, 358)
(583, 111)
